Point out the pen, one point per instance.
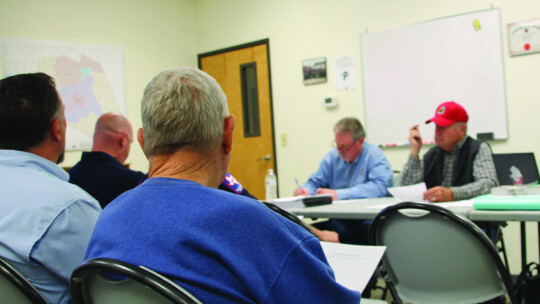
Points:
(297, 183)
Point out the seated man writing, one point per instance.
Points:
(354, 169)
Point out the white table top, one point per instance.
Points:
(505, 215)
(369, 208)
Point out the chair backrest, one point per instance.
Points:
(289, 216)
(436, 256)
(14, 288)
(103, 280)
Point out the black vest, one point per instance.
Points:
(463, 170)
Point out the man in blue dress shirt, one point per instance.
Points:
(45, 222)
(354, 169)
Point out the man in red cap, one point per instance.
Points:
(459, 167)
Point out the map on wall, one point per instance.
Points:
(89, 78)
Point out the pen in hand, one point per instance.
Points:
(297, 183)
(300, 190)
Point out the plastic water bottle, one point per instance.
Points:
(270, 181)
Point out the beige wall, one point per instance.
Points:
(165, 33)
(301, 30)
(155, 35)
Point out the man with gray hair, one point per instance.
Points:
(221, 247)
(354, 169)
(458, 167)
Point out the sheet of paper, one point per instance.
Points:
(296, 198)
(412, 193)
(456, 204)
(353, 265)
(288, 199)
(344, 201)
(294, 201)
(289, 202)
(381, 207)
(345, 72)
(449, 205)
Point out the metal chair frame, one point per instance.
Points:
(21, 283)
(389, 275)
(148, 278)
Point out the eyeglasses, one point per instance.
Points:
(343, 148)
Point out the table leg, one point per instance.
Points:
(523, 246)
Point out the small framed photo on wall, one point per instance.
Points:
(314, 70)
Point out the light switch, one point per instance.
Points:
(283, 139)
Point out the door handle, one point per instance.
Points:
(265, 157)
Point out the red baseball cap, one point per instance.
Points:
(448, 113)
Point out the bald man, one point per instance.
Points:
(101, 172)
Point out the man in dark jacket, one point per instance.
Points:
(459, 167)
(101, 172)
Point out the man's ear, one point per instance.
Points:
(56, 130)
(361, 140)
(140, 138)
(122, 139)
(462, 128)
(228, 127)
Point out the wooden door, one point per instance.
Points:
(253, 151)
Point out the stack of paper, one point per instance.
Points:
(288, 202)
(412, 193)
(302, 201)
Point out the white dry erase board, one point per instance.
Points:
(408, 71)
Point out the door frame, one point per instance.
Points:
(266, 42)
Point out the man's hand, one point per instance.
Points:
(439, 194)
(415, 140)
(326, 235)
(328, 191)
(300, 191)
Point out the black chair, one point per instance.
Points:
(14, 288)
(289, 216)
(104, 280)
(434, 255)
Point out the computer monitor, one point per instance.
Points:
(516, 168)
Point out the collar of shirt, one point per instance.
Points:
(98, 155)
(357, 159)
(15, 158)
(458, 146)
